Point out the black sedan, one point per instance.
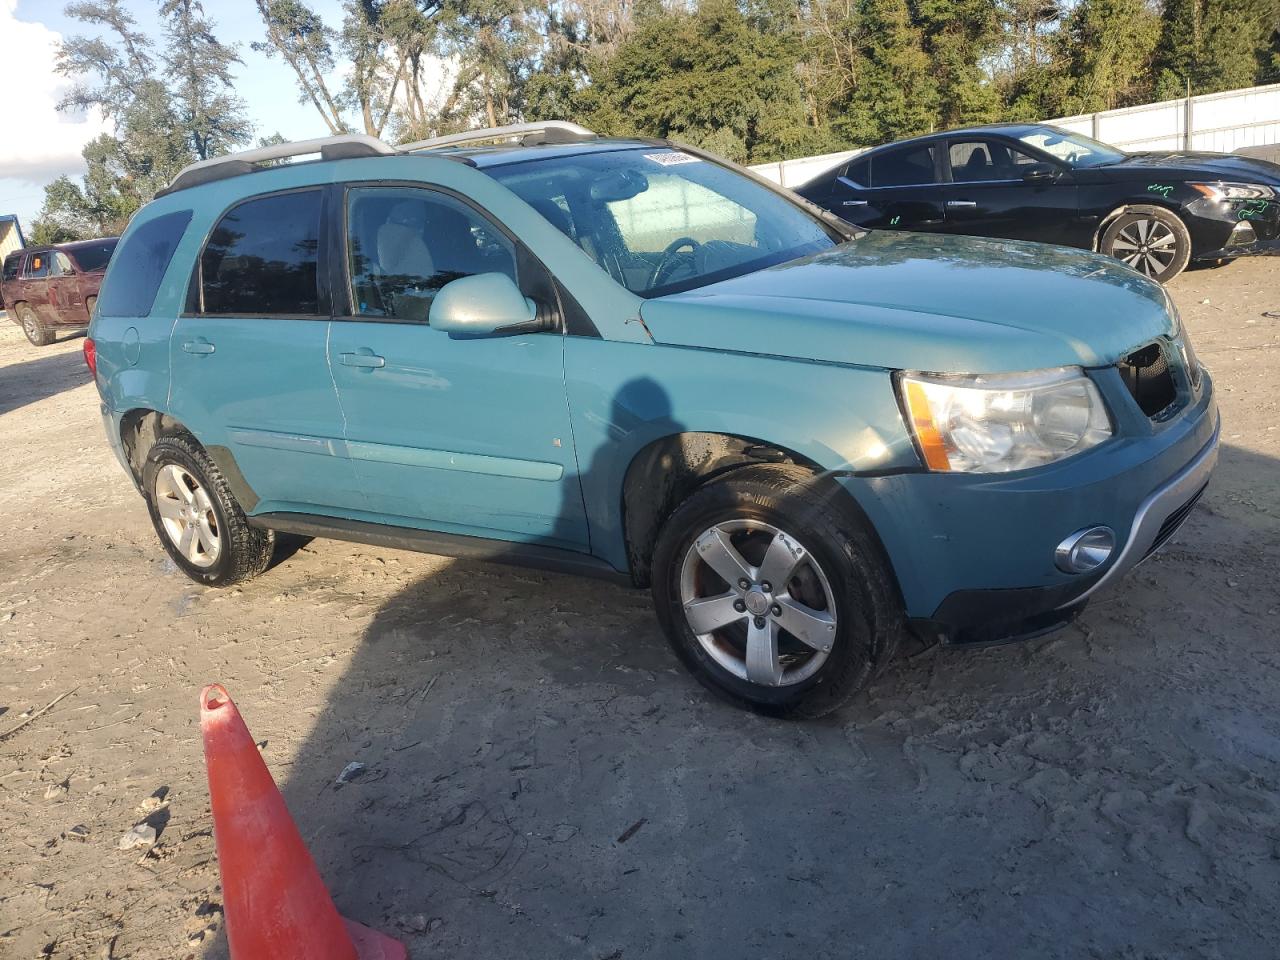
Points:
(1155, 211)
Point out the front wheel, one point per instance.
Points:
(197, 519)
(774, 596)
(1153, 241)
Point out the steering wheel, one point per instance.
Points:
(668, 254)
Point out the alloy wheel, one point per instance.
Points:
(1146, 245)
(29, 325)
(758, 602)
(187, 515)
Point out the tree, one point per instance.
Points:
(1107, 48)
(383, 44)
(1212, 45)
(897, 93)
(708, 76)
(199, 66)
(164, 118)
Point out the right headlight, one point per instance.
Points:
(1002, 422)
(1234, 191)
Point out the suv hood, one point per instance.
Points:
(917, 301)
(1193, 165)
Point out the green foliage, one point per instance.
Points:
(708, 77)
(169, 108)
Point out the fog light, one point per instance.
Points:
(1242, 234)
(1085, 550)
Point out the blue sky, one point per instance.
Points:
(51, 145)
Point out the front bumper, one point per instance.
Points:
(973, 555)
(996, 616)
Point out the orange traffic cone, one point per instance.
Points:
(275, 904)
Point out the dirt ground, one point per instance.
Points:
(543, 780)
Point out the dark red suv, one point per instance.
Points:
(45, 288)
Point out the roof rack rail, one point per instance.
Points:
(553, 131)
(340, 147)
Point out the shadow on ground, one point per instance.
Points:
(40, 377)
(543, 780)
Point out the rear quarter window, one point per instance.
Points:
(133, 278)
(11, 264)
(94, 256)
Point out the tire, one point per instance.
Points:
(37, 331)
(1152, 240)
(89, 304)
(837, 572)
(223, 549)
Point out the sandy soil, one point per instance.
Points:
(543, 780)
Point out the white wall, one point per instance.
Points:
(1219, 121)
(791, 173)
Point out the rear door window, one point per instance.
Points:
(908, 167)
(262, 258)
(860, 172)
(131, 284)
(38, 265)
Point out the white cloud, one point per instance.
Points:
(40, 142)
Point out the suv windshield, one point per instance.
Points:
(94, 256)
(1075, 149)
(661, 220)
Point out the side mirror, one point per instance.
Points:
(1039, 173)
(482, 305)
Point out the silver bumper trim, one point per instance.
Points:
(1155, 510)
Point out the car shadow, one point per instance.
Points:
(40, 378)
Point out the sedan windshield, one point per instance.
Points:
(660, 220)
(1075, 149)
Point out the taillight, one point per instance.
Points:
(91, 355)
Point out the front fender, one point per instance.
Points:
(624, 396)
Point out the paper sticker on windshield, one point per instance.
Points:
(671, 158)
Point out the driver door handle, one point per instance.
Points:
(854, 203)
(369, 361)
(961, 204)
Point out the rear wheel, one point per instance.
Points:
(37, 331)
(89, 304)
(1153, 241)
(198, 521)
(772, 595)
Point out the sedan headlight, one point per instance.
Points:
(1003, 422)
(1235, 191)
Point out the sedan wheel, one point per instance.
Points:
(1147, 245)
(1155, 243)
(187, 516)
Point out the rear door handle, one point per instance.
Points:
(854, 203)
(961, 204)
(367, 360)
(199, 346)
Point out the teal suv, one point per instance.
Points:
(629, 358)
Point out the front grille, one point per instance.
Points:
(1147, 375)
(1174, 521)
